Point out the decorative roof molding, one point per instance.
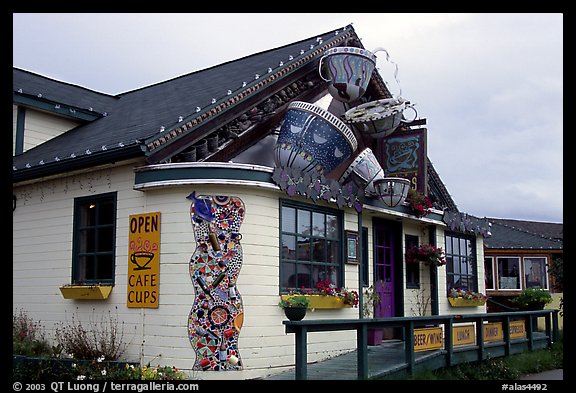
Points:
(260, 81)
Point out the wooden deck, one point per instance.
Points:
(387, 360)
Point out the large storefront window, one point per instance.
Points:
(461, 269)
(508, 272)
(311, 246)
(535, 272)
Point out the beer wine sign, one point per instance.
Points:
(143, 260)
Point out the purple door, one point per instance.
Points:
(384, 271)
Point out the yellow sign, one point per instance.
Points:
(143, 260)
(517, 329)
(493, 332)
(463, 335)
(426, 339)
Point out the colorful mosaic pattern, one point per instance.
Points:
(217, 315)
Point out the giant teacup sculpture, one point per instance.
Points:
(312, 140)
(364, 171)
(349, 70)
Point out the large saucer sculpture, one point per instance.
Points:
(378, 118)
(312, 140)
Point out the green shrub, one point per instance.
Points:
(532, 296)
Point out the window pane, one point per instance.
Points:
(304, 223)
(288, 247)
(449, 264)
(332, 227)
(303, 248)
(288, 219)
(105, 212)
(463, 247)
(86, 268)
(105, 239)
(318, 226)
(104, 267)
(456, 265)
(448, 245)
(333, 248)
(508, 273)
(87, 244)
(319, 253)
(535, 273)
(289, 279)
(488, 273)
(87, 212)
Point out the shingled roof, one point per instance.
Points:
(525, 235)
(139, 122)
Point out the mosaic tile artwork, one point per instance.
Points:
(217, 315)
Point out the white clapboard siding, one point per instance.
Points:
(40, 127)
(42, 249)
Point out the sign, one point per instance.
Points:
(517, 329)
(493, 332)
(463, 335)
(143, 260)
(403, 154)
(427, 339)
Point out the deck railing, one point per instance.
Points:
(408, 324)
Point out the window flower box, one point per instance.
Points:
(463, 298)
(323, 301)
(86, 292)
(461, 302)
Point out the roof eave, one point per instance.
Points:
(83, 162)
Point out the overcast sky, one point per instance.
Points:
(489, 85)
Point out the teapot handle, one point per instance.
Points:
(320, 70)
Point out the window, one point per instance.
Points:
(461, 269)
(94, 239)
(412, 269)
(489, 272)
(535, 272)
(312, 246)
(508, 272)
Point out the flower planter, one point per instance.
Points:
(461, 302)
(85, 292)
(324, 301)
(295, 313)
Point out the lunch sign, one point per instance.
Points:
(143, 260)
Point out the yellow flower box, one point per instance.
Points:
(86, 292)
(323, 301)
(461, 302)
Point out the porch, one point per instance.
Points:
(398, 356)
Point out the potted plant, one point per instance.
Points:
(427, 253)
(532, 299)
(419, 203)
(371, 301)
(294, 306)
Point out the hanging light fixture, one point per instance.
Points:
(392, 190)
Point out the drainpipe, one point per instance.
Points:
(360, 292)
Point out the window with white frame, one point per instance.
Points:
(535, 272)
(508, 272)
(489, 272)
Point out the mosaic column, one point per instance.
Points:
(217, 315)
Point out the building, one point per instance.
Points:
(167, 206)
(519, 255)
